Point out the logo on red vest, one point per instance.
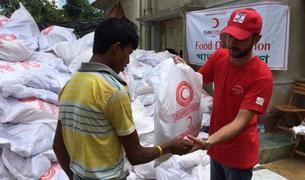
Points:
(184, 93)
(237, 89)
(260, 101)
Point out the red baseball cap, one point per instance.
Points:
(243, 22)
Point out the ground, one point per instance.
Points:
(290, 168)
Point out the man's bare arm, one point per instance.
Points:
(138, 154)
(61, 151)
(227, 132)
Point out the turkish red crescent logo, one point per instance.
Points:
(49, 174)
(7, 37)
(184, 93)
(237, 89)
(216, 22)
(3, 21)
(47, 30)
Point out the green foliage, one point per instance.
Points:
(81, 9)
(45, 11)
(41, 10)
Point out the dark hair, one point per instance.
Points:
(112, 30)
(172, 51)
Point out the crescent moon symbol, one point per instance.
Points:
(216, 22)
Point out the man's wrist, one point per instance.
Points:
(165, 147)
(160, 150)
(208, 144)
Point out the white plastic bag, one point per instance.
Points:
(144, 124)
(4, 174)
(10, 68)
(14, 50)
(3, 20)
(145, 171)
(21, 92)
(85, 56)
(141, 87)
(206, 119)
(26, 110)
(22, 26)
(70, 50)
(54, 34)
(181, 167)
(300, 129)
(51, 60)
(202, 172)
(10, 71)
(150, 57)
(55, 173)
(178, 90)
(27, 140)
(147, 99)
(206, 103)
(43, 77)
(25, 168)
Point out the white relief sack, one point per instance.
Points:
(21, 92)
(83, 57)
(31, 74)
(184, 167)
(4, 174)
(26, 110)
(70, 50)
(28, 139)
(177, 110)
(14, 50)
(22, 26)
(51, 60)
(3, 20)
(25, 168)
(53, 35)
(54, 173)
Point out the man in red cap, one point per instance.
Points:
(242, 90)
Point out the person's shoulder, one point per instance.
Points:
(263, 69)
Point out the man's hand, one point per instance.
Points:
(178, 59)
(198, 143)
(179, 146)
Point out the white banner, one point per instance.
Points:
(204, 27)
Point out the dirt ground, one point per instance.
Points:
(291, 168)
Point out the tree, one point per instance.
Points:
(8, 6)
(73, 8)
(81, 9)
(46, 11)
(41, 10)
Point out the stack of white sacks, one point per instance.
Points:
(35, 65)
(150, 78)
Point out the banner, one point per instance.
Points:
(204, 27)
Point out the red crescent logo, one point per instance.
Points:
(184, 93)
(3, 21)
(216, 22)
(49, 174)
(7, 37)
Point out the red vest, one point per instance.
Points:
(248, 86)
